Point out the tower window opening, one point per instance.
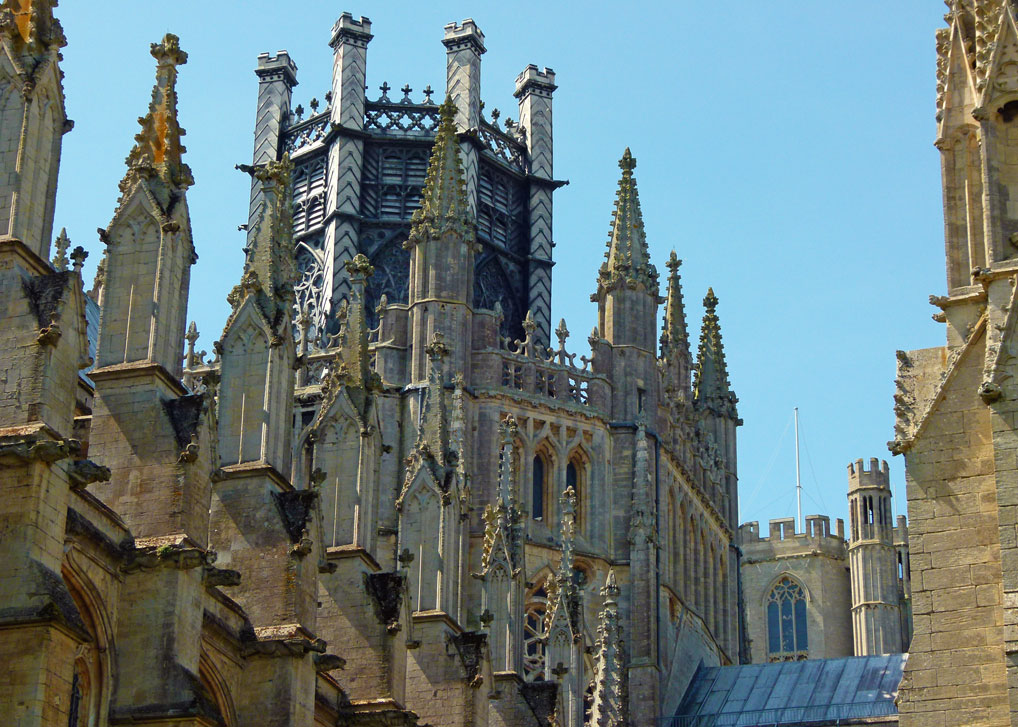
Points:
(786, 622)
(1008, 111)
(534, 636)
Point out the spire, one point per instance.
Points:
(627, 261)
(269, 269)
(157, 153)
(712, 388)
(674, 337)
(30, 31)
(444, 207)
(606, 710)
(60, 246)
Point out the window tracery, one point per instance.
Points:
(535, 635)
(786, 622)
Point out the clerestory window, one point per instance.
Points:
(786, 622)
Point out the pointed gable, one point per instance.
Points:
(1000, 76)
(957, 98)
(627, 260)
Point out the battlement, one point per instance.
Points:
(348, 29)
(877, 476)
(531, 79)
(279, 67)
(818, 527)
(458, 35)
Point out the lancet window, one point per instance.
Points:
(535, 634)
(539, 488)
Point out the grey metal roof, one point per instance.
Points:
(818, 691)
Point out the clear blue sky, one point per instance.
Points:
(785, 152)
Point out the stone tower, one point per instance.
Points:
(876, 617)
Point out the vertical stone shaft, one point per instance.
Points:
(464, 47)
(534, 90)
(349, 44)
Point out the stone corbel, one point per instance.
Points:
(328, 662)
(174, 555)
(212, 576)
(40, 450)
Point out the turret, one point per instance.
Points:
(350, 38)
(464, 46)
(876, 616)
(627, 300)
(534, 89)
(442, 247)
(33, 121)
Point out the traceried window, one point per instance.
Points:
(393, 180)
(786, 622)
(534, 635)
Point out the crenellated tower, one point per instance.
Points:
(876, 604)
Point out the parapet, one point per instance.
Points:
(532, 79)
(782, 541)
(462, 34)
(277, 68)
(901, 531)
(347, 29)
(877, 476)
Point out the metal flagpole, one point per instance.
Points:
(798, 481)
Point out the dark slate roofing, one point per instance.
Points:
(819, 691)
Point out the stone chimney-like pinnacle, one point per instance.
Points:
(158, 152)
(444, 207)
(627, 261)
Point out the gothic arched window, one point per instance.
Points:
(786, 622)
(574, 479)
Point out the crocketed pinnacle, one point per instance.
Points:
(627, 261)
(564, 598)
(31, 30)
(60, 247)
(158, 152)
(712, 388)
(674, 337)
(444, 208)
(606, 709)
(502, 519)
(269, 270)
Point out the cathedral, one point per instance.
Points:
(391, 495)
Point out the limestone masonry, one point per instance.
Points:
(392, 496)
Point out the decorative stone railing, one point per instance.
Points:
(307, 133)
(507, 144)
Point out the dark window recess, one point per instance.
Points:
(503, 211)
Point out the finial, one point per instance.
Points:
(158, 150)
(384, 88)
(406, 93)
(78, 256)
(710, 301)
(427, 94)
(313, 103)
(562, 333)
(191, 337)
(508, 428)
(299, 112)
(359, 267)
(61, 244)
(628, 162)
(673, 263)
